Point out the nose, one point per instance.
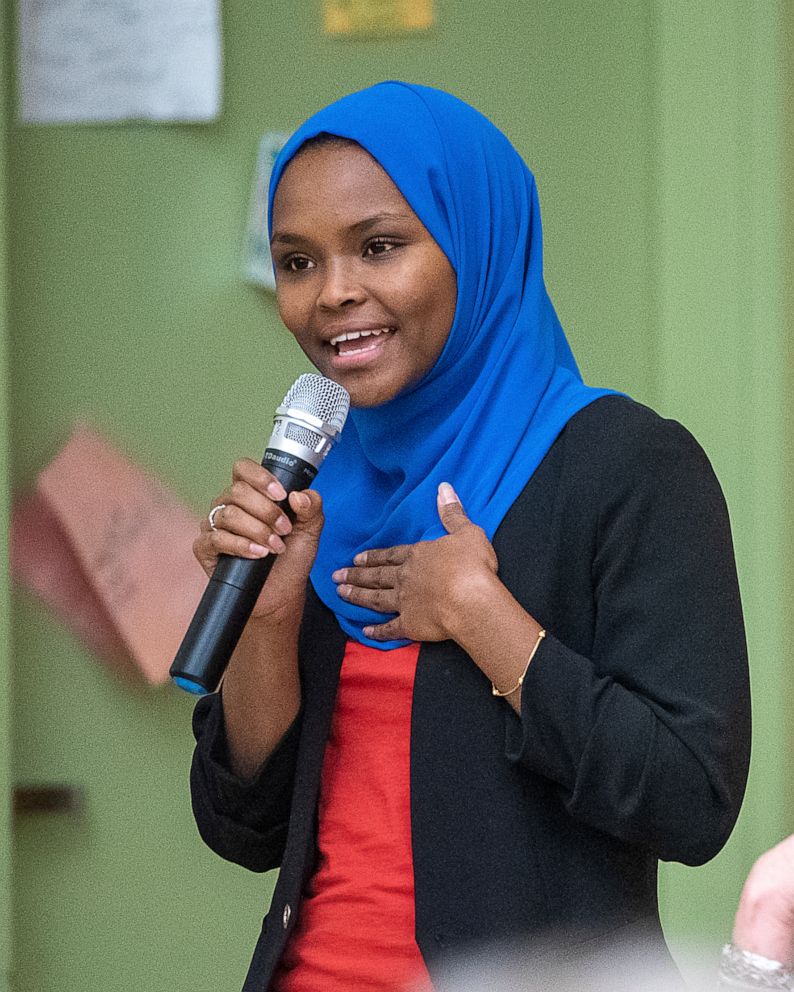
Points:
(341, 286)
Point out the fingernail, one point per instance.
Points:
(303, 500)
(446, 494)
(369, 631)
(340, 575)
(258, 550)
(276, 490)
(282, 525)
(361, 558)
(343, 590)
(276, 543)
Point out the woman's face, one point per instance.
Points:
(368, 294)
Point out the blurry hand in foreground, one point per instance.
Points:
(764, 921)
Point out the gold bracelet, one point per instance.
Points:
(496, 692)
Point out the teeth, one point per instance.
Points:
(353, 335)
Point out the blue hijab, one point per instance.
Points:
(505, 383)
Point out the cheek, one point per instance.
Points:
(449, 298)
(290, 309)
(437, 302)
(422, 292)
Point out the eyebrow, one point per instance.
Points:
(285, 237)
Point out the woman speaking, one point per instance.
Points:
(499, 669)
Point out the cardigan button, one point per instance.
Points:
(286, 915)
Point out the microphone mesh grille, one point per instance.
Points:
(302, 435)
(320, 397)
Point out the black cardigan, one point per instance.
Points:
(633, 741)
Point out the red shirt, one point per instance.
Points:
(356, 925)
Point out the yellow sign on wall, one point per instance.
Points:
(371, 17)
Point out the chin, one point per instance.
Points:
(363, 400)
(365, 394)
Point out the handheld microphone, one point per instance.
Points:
(305, 427)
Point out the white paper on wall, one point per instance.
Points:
(111, 60)
(258, 262)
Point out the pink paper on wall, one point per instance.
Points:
(108, 548)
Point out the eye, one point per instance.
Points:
(380, 246)
(295, 263)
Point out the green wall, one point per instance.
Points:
(5, 633)
(127, 308)
(723, 181)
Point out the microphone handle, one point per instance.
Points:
(231, 593)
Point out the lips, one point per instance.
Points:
(358, 345)
(354, 342)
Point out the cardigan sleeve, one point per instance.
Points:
(649, 737)
(242, 820)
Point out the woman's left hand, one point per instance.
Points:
(429, 585)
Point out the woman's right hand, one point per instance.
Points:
(252, 525)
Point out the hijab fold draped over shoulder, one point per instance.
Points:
(506, 382)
